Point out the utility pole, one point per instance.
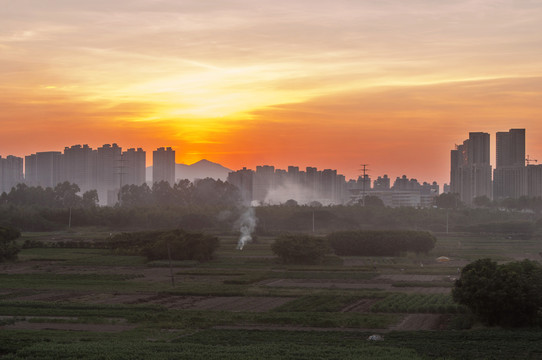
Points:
(121, 172)
(364, 171)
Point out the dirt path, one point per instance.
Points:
(25, 325)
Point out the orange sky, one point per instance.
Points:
(332, 84)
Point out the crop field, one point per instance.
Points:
(62, 303)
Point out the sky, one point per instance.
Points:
(334, 84)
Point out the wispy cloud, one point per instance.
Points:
(214, 70)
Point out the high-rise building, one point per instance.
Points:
(264, 180)
(133, 167)
(470, 168)
(44, 169)
(534, 180)
(244, 180)
(510, 148)
(11, 172)
(276, 186)
(510, 175)
(163, 165)
(108, 169)
(79, 164)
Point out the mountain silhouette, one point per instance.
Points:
(199, 170)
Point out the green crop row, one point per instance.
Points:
(318, 303)
(417, 303)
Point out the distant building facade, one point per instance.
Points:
(163, 165)
(80, 166)
(470, 172)
(275, 186)
(133, 167)
(44, 169)
(510, 176)
(11, 172)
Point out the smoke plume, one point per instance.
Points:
(247, 225)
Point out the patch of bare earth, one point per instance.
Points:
(410, 277)
(219, 303)
(25, 325)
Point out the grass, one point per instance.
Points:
(318, 303)
(417, 303)
(80, 257)
(80, 282)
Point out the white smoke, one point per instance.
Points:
(247, 225)
(287, 191)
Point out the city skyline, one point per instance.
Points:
(242, 83)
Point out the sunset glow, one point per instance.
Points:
(332, 84)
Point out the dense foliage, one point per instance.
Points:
(506, 295)
(8, 247)
(160, 245)
(380, 243)
(213, 205)
(63, 195)
(300, 249)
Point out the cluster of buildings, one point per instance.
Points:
(471, 174)
(105, 169)
(270, 185)
(108, 168)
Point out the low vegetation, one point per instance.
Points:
(300, 249)
(160, 245)
(380, 243)
(418, 303)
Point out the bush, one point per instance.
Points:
(155, 245)
(380, 243)
(507, 295)
(8, 247)
(300, 249)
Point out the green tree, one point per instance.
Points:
(482, 201)
(300, 249)
(90, 199)
(66, 195)
(507, 295)
(373, 201)
(8, 247)
(448, 201)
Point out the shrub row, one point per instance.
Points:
(380, 243)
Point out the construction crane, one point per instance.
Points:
(529, 160)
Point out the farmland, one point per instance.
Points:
(61, 302)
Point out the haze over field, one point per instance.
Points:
(330, 84)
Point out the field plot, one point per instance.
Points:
(243, 304)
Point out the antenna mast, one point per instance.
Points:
(365, 175)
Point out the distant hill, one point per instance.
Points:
(200, 170)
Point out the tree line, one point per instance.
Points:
(213, 205)
(308, 249)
